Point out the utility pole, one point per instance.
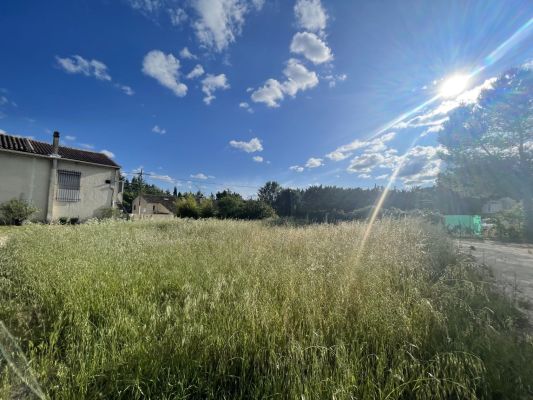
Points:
(140, 191)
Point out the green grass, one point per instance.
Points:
(243, 310)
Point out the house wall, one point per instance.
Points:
(26, 178)
(148, 208)
(95, 193)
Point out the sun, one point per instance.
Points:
(454, 85)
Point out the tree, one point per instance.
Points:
(489, 146)
(175, 192)
(269, 193)
(256, 209)
(187, 207)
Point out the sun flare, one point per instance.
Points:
(454, 85)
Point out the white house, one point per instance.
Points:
(499, 205)
(61, 182)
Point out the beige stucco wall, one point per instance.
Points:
(148, 208)
(25, 178)
(95, 193)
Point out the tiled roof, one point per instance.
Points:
(25, 145)
(168, 201)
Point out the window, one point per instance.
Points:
(68, 185)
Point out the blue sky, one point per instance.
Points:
(298, 91)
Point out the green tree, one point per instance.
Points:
(269, 192)
(187, 207)
(228, 204)
(489, 146)
(207, 208)
(256, 209)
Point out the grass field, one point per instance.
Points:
(243, 310)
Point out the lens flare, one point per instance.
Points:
(451, 87)
(454, 85)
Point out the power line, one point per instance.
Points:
(187, 180)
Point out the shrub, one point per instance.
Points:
(187, 207)
(229, 207)
(109, 213)
(15, 212)
(207, 208)
(256, 209)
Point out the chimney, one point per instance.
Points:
(55, 144)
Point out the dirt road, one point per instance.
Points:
(511, 263)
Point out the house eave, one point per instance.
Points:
(52, 156)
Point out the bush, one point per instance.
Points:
(187, 207)
(15, 212)
(207, 208)
(256, 209)
(108, 213)
(229, 207)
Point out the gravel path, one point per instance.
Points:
(511, 263)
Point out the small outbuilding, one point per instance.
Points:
(154, 206)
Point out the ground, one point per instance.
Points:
(511, 263)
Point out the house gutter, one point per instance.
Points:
(53, 178)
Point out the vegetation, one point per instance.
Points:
(242, 310)
(489, 146)
(15, 212)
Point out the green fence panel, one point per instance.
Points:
(464, 225)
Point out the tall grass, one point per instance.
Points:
(242, 310)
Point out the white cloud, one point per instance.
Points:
(212, 83)
(258, 159)
(108, 153)
(364, 176)
(2, 131)
(296, 168)
(244, 105)
(79, 65)
(311, 47)
(70, 138)
(146, 6)
(3, 100)
(299, 78)
(381, 177)
(86, 146)
(371, 145)
(310, 15)
(366, 162)
(177, 17)
(197, 71)
(314, 162)
(186, 53)
(250, 147)
(220, 22)
(420, 166)
(158, 130)
(258, 4)
(338, 155)
(334, 79)
(271, 93)
(164, 178)
(165, 69)
(437, 115)
(126, 89)
(200, 176)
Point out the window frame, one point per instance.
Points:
(68, 186)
